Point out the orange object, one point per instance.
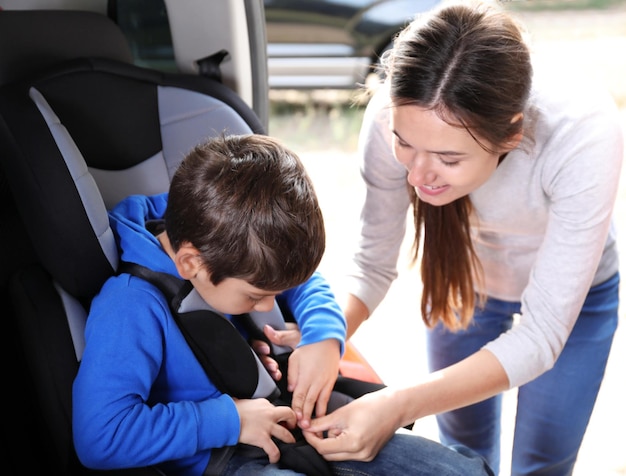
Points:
(355, 366)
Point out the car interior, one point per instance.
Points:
(81, 127)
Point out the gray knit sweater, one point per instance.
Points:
(542, 228)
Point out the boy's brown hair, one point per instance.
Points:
(248, 205)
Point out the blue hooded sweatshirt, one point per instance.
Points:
(141, 398)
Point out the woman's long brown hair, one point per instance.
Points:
(449, 264)
(472, 67)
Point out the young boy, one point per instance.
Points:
(242, 224)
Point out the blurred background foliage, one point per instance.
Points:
(539, 5)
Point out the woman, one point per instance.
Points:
(512, 175)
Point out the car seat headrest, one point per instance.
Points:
(82, 132)
(32, 40)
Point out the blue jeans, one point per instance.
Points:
(405, 454)
(554, 409)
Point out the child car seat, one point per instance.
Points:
(80, 128)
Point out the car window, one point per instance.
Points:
(148, 32)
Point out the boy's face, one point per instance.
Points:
(233, 295)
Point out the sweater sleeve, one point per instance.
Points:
(580, 169)
(384, 212)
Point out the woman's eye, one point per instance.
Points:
(399, 142)
(448, 163)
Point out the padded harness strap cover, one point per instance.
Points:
(226, 357)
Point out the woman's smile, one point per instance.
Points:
(444, 162)
(431, 189)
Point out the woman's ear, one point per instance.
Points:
(188, 262)
(515, 139)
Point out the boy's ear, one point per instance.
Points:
(187, 261)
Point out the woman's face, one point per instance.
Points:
(443, 162)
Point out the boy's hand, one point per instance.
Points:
(260, 421)
(289, 337)
(313, 371)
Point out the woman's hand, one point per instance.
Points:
(361, 428)
(260, 421)
(356, 431)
